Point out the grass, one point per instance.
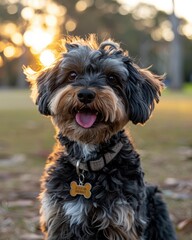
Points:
(27, 136)
(188, 88)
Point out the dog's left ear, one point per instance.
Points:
(42, 85)
(143, 89)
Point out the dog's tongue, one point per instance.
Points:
(85, 120)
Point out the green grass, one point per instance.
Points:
(161, 143)
(188, 88)
(22, 128)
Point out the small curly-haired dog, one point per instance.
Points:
(93, 185)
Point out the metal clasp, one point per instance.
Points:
(80, 174)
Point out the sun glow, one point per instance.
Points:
(42, 22)
(81, 6)
(187, 31)
(37, 39)
(27, 13)
(17, 38)
(47, 57)
(9, 51)
(1, 61)
(182, 8)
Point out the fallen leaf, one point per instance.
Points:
(31, 236)
(20, 203)
(185, 226)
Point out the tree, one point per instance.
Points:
(176, 57)
(30, 33)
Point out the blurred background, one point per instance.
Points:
(157, 33)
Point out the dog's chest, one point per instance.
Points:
(111, 210)
(100, 214)
(76, 210)
(118, 214)
(115, 211)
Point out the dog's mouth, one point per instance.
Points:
(86, 117)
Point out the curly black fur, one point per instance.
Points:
(121, 179)
(121, 206)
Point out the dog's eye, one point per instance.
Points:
(113, 78)
(72, 75)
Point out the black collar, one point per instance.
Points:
(98, 164)
(112, 148)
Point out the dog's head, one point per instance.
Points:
(92, 91)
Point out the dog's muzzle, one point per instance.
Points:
(86, 117)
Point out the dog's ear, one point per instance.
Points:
(42, 84)
(71, 46)
(143, 90)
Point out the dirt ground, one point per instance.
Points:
(26, 138)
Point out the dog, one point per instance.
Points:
(93, 184)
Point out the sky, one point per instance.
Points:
(183, 8)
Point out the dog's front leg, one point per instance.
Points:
(54, 223)
(160, 226)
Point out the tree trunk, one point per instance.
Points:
(176, 58)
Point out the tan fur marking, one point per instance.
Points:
(106, 102)
(61, 93)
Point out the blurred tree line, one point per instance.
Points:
(30, 32)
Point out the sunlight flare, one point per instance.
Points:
(47, 57)
(37, 39)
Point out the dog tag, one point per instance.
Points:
(83, 190)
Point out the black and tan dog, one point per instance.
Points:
(93, 185)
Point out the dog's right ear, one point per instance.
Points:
(143, 90)
(42, 83)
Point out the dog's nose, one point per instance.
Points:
(86, 96)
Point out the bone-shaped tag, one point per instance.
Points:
(80, 189)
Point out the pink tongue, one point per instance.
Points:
(85, 120)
